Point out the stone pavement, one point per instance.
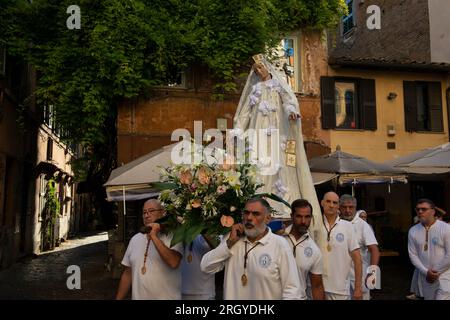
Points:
(44, 276)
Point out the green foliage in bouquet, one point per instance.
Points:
(206, 199)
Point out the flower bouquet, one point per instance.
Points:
(207, 199)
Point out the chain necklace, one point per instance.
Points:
(244, 279)
(144, 269)
(294, 251)
(328, 233)
(427, 228)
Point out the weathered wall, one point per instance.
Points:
(314, 64)
(11, 150)
(147, 124)
(439, 11)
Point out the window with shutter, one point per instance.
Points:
(327, 102)
(348, 20)
(49, 149)
(348, 103)
(435, 107)
(423, 106)
(410, 102)
(368, 104)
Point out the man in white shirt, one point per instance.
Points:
(339, 247)
(305, 251)
(150, 264)
(196, 284)
(258, 264)
(429, 252)
(365, 237)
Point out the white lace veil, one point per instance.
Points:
(253, 78)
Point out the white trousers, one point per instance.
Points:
(198, 296)
(334, 296)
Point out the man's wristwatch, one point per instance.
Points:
(230, 243)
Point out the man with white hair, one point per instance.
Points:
(365, 237)
(258, 264)
(150, 264)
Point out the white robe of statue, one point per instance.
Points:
(267, 105)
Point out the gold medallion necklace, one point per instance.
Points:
(144, 269)
(189, 257)
(328, 233)
(244, 279)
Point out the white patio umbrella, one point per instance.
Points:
(434, 160)
(352, 169)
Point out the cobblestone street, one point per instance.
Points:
(44, 276)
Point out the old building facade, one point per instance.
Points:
(31, 155)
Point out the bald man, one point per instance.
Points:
(338, 244)
(151, 266)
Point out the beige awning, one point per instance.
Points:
(321, 177)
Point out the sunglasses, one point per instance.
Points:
(149, 211)
(419, 209)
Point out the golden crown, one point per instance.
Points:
(258, 58)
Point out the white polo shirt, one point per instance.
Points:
(193, 279)
(365, 237)
(271, 270)
(160, 282)
(307, 257)
(337, 263)
(437, 257)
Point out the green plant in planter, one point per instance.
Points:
(50, 213)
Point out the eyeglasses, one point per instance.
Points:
(246, 212)
(419, 209)
(149, 211)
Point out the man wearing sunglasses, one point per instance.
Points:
(429, 251)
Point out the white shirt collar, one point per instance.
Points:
(264, 240)
(287, 233)
(325, 220)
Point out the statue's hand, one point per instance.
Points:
(294, 116)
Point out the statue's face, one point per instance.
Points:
(261, 71)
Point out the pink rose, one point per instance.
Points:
(186, 177)
(204, 175)
(196, 203)
(226, 221)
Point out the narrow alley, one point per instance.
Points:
(45, 276)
